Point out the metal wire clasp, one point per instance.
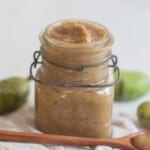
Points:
(36, 61)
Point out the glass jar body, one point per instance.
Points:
(83, 112)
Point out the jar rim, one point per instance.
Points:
(108, 38)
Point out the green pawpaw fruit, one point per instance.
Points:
(14, 92)
(143, 113)
(132, 86)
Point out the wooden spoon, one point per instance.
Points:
(125, 143)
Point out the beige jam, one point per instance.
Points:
(85, 112)
(142, 142)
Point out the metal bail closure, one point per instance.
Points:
(36, 61)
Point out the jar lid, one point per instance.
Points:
(82, 33)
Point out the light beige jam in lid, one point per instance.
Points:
(77, 32)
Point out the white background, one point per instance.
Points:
(22, 20)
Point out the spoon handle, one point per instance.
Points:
(28, 137)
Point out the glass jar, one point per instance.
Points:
(74, 88)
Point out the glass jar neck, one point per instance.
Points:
(76, 54)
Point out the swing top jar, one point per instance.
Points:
(74, 88)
